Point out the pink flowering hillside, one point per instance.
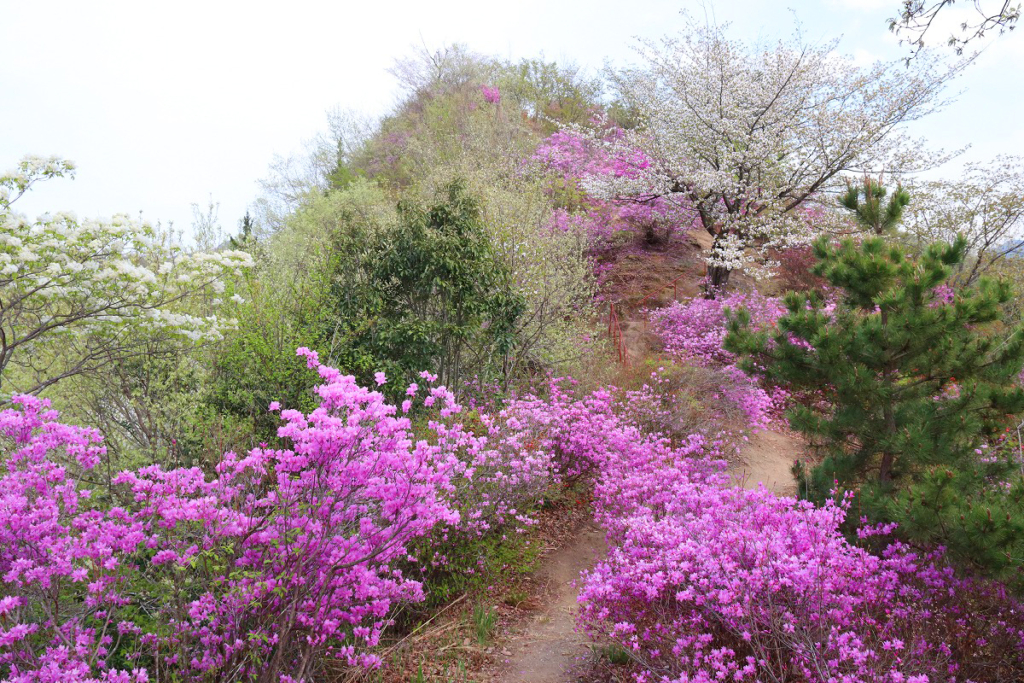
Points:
(574, 160)
(695, 329)
(693, 333)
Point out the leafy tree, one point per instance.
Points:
(915, 382)
(548, 268)
(749, 137)
(246, 237)
(327, 163)
(550, 92)
(448, 68)
(305, 274)
(79, 295)
(438, 302)
(254, 368)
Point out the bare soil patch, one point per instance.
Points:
(547, 648)
(767, 458)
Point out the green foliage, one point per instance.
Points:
(440, 134)
(865, 203)
(614, 653)
(147, 411)
(484, 620)
(291, 301)
(437, 295)
(914, 385)
(446, 130)
(548, 92)
(258, 366)
(245, 240)
(515, 597)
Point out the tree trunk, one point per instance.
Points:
(888, 412)
(885, 468)
(716, 281)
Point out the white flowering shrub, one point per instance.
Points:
(73, 292)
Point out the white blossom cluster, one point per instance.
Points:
(747, 136)
(30, 169)
(61, 276)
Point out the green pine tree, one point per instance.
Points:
(915, 381)
(865, 202)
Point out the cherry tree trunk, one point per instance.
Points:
(716, 281)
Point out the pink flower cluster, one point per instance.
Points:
(63, 570)
(286, 556)
(491, 94)
(293, 550)
(695, 329)
(707, 582)
(571, 158)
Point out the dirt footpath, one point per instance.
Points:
(548, 648)
(767, 459)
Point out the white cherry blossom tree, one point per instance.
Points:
(751, 138)
(76, 295)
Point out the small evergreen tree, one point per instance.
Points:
(916, 381)
(865, 202)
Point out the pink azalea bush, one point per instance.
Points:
(570, 157)
(284, 557)
(707, 582)
(491, 94)
(63, 564)
(293, 550)
(695, 329)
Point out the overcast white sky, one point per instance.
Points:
(165, 104)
